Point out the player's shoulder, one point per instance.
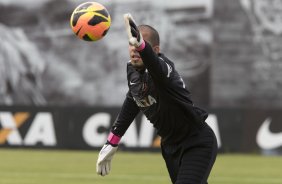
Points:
(166, 60)
(130, 69)
(129, 65)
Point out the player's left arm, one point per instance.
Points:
(127, 114)
(159, 67)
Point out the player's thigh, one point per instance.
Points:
(172, 164)
(197, 162)
(194, 168)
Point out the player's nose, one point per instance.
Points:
(132, 48)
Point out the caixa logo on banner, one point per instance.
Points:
(95, 138)
(142, 137)
(41, 129)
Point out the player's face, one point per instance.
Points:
(135, 58)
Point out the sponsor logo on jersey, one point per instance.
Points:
(146, 101)
(132, 83)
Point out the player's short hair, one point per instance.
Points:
(154, 37)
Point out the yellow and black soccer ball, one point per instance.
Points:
(90, 21)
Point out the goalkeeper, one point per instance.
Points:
(188, 144)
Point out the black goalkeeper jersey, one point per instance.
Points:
(160, 93)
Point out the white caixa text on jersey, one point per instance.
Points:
(146, 101)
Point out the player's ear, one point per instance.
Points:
(156, 49)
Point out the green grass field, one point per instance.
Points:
(19, 166)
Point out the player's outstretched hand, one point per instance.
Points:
(106, 154)
(134, 36)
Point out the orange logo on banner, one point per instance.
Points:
(19, 118)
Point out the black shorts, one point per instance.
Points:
(191, 161)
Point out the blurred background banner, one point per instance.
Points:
(228, 52)
(237, 130)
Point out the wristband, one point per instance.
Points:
(113, 139)
(142, 46)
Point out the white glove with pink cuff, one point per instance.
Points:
(134, 36)
(106, 154)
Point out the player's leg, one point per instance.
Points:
(197, 159)
(171, 156)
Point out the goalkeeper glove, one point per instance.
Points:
(106, 154)
(134, 35)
